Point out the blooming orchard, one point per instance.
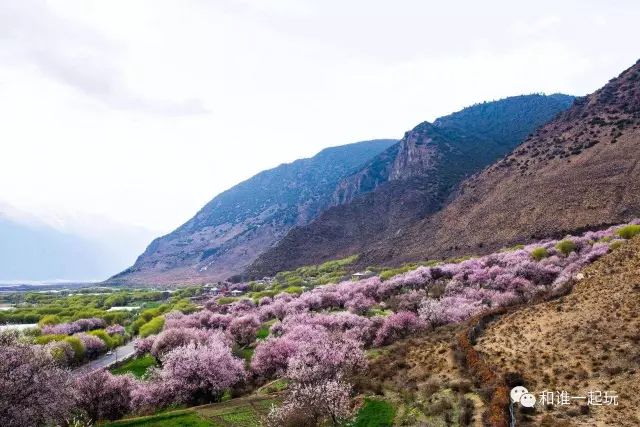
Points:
(316, 339)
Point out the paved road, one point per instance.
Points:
(106, 360)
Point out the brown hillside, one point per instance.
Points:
(411, 180)
(587, 340)
(579, 171)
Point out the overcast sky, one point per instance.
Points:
(139, 112)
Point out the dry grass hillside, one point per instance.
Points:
(579, 171)
(425, 381)
(411, 180)
(587, 340)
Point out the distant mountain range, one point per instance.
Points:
(239, 224)
(340, 201)
(33, 251)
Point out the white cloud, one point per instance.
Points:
(75, 55)
(140, 112)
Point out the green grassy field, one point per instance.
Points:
(185, 418)
(375, 413)
(138, 366)
(240, 412)
(243, 412)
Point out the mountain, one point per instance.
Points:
(411, 179)
(33, 251)
(231, 230)
(579, 171)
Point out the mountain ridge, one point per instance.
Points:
(579, 171)
(411, 180)
(236, 225)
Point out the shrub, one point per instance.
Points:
(294, 289)
(389, 273)
(566, 246)
(61, 352)
(512, 248)
(539, 253)
(49, 319)
(629, 231)
(78, 348)
(615, 244)
(46, 339)
(152, 327)
(105, 337)
(227, 300)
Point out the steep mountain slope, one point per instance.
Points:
(587, 340)
(579, 171)
(411, 179)
(237, 225)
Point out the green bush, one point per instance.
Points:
(295, 281)
(388, 274)
(58, 355)
(46, 339)
(227, 300)
(49, 319)
(78, 348)
(104, 336)
(136, 325)
(152, 327)
(268, 293)
(185, 306)
(539, 253)
(150, 313)
(629, 231)
(566, 246)
(334, 265)
(616, 244)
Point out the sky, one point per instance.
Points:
(133, 114)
